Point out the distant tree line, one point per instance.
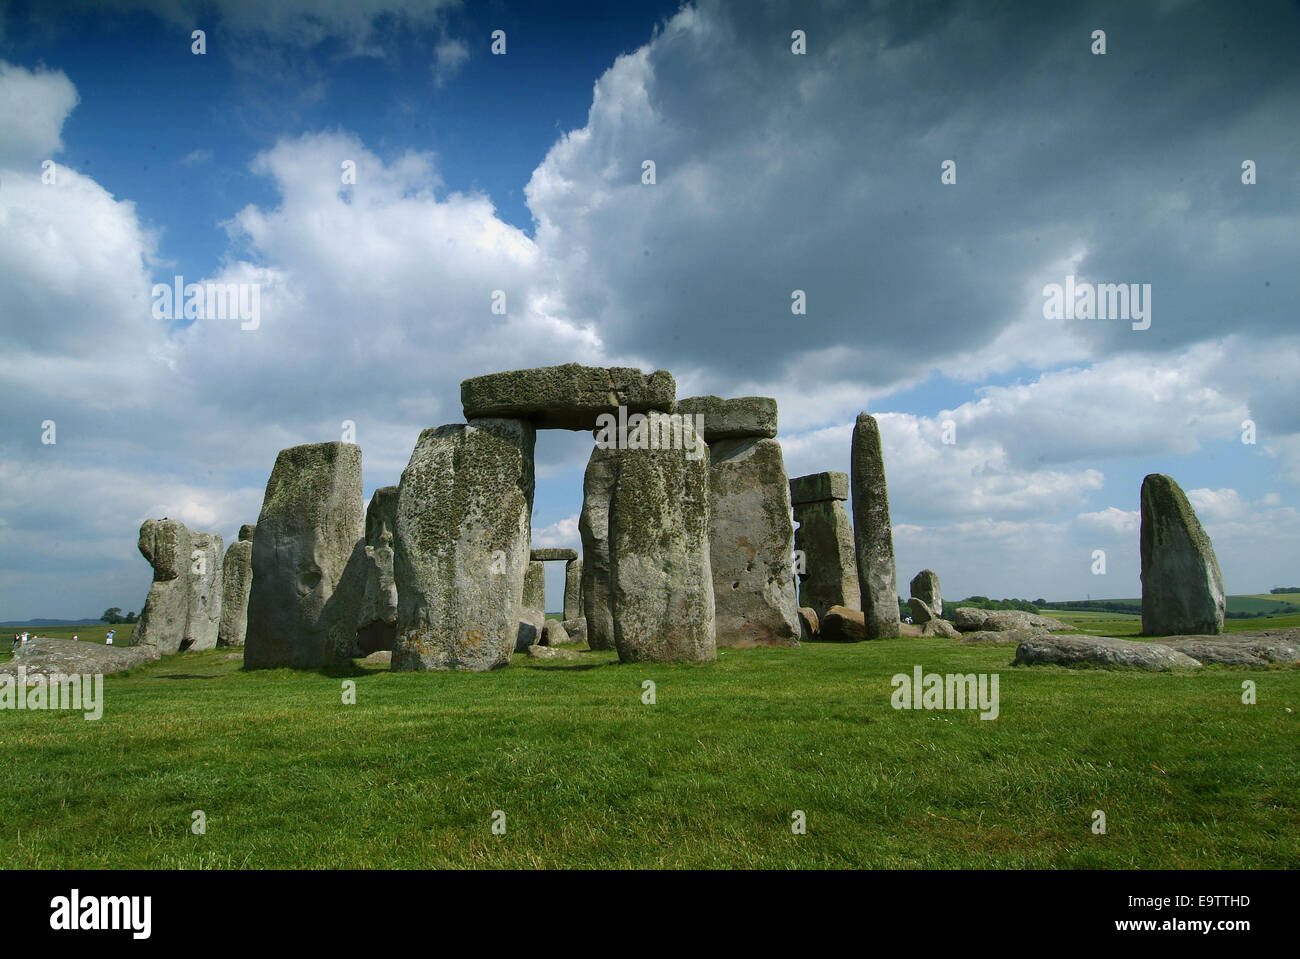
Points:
(983, 602)
(1286, 589)
(113, 616)
(1101, 605)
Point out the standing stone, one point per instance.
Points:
(662, 597)
(573, 589)
(872, 532)
(751, 544)
(1182, 588)
(461, 545)
(925, 587)
(824, 538)
(183, 609)
(377, 621)
(236, 580)
(535, 585)
(921, 611)
(308, 560)
(593, 526)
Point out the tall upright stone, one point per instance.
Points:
(751, 537)
(1182, 588)
(377, 620)
(661, 577)
(827, 567)
(593, 527)
(236, 580)
(308, 560)
(925, 587)
(535, 585)
(183, 609)
(572, 589)
(461, 545)
(872, 532)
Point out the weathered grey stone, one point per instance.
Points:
(535, 585)
(809, 624)
(661, 577)
(550, 652)
(593, 526)
(921, 613)
(1182, 588)
(576, 629)
(843, 625)
(43, 655)
(818, 488)
(573, 589)
(532, 623)
(1100, 651)
(1255, 647)
(308, 560)
(941, 628)
(183, 609)
(554, 633)
(380, 657)
(568, 397)
(460, 545)
(743, 417)
(553, 555)
(751, 545)
(971, 619)
(925, 587)
(1001, 637)
(236, 581)
(377, 621)
(872, 531)
(824, 538)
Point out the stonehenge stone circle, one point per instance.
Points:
(236, 580)
(593, 526)
(183, 609)
(925, 587)
(872, 531)
(751, 544)
(825, 539)
(660, 575)
(732, 419)
(572, 589)
(535, 585)
(377, 621)
(308, 560)
(461, 545)
(568, 397)
(1182, 588)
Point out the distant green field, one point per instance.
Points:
(1269, 605)
(1121, 625)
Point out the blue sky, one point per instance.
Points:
(776, 172)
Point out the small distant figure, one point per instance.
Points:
(24, 642)
(908, 620)
(109, 640)
(16, 643)
(74, 637)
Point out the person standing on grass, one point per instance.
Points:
(109, 640)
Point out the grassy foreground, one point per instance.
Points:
(708, 776)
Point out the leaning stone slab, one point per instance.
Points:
(236, 581)
(43, 655)
(751, 545)
(842, 625)
(660, 573)
(819, 487)
(593, 526)
(183, 609)
(809, 624)
(824, 539)
(925, 587)
(553, 555)
(740, 418)
(1052, 650)
(535, 585)
(573, 589)
(554, 634)
(1182, 588)
(921, 613)
(1260, 647)
(532, 625)
(941, 628)
(576, 629)
(873, 532)
(308, 560)
(377, 622)
(568, 397)
(460, 546)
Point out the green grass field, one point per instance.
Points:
(708, 776)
